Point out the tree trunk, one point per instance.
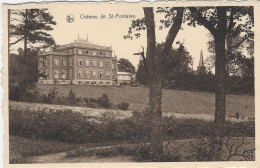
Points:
(220, 88)
(220, 98)
(25, 37)
(156, 141)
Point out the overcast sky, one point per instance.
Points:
(111, 31)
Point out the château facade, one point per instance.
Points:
(81, 62)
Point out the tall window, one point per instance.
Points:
(100, 53)
(94, 63)
(94, 74)
(57, 62)
(70, 51)
(79, 61)
(107, 75)
(79, 51)
(47, 62)
(87, 62)
(80, 74)
(70, 61)
(56, 74)
(87, 52)
(63, 62)
(107, 63)
(113, 65)
(41, 62)
(64, 74)
(47, 73)
(100, 75)
(70, 74)
(94, 53)
(101, 64)
(88, 74)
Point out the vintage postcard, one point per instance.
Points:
(117, 84)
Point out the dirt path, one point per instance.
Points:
(61, 157)
(96, 113)
(186, 145)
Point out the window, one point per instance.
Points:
(101, 83)
(63, 62)
(70, 74)
(79, 61)
(94, 53)
(94, 63)
(70, 51)
(79, 51)
(107, 64)
(80, 74)
(87, 52)
(47, 62)
(94, 74)
(70, 61)
(56, 62)
(100, 75)
(64, 74)
(101, 64)
(113, 66)
(88, 74)
(87, 63)
(107, 74)
(41, 62)
(56, 74)
(47, 73)
(100, 53)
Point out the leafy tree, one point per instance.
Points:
(180, 61)
(221, 21)
(141, 75)
(23, 74)
(31, 27)
(156, 63)
(124, 65)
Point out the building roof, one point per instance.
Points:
(84, 43)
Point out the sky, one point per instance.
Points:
(108, 32)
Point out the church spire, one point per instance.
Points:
(201, 63)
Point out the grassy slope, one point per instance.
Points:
(173, 100)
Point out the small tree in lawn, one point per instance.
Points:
(156, 64)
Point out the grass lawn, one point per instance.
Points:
(173, 101)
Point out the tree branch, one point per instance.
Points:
(202, 20)
(20, 39)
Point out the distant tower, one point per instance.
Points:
(201, 69)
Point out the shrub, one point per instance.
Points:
(123, 106)
(72, 99)
(85, 99)
(51, 96)
(104, 101)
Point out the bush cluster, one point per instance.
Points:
(74, 127)
(52, 97)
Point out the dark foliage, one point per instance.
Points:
(123, 106)
(68, 126)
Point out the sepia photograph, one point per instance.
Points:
(129, 83)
